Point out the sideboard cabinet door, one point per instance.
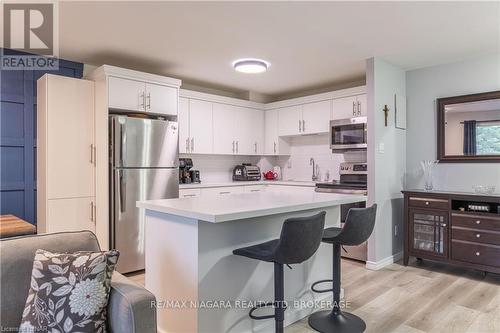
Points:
(428, 231)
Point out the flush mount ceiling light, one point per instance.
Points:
(251, 66)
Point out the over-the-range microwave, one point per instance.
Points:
(348, 134)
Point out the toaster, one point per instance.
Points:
(246, 172)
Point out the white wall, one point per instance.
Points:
(386, 169)
(423, 87)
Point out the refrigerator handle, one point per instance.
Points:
(120, 191)
(123, 141)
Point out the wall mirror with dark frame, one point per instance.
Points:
(469, 128)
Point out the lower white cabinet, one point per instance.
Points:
(255, 188)
(291, 188)
(189, 193)
(72, 214)
(222, 190)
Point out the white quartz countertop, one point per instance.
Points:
(246, 205)
(246, 183)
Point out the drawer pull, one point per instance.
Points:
(427, 203)
(478, 254)
(478, 222)
(478, 235)
(224, 192)
(443, 224)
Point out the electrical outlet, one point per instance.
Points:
(381, 148)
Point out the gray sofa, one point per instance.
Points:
(129, 307)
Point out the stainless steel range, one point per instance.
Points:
(353, 180)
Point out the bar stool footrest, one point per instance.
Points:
(321, 290)
(263, 305)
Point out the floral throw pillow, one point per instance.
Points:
(69, 292)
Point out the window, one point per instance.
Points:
(488, 138)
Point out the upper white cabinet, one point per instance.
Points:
(309, 118)
(290, 120)
(225, 128)
(66, 154)
(316, 117)
(195, 126)
(348, 107)
(126, 94)
(161, 99)
(274, 145)
(136, 91)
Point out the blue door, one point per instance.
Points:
(18, 137)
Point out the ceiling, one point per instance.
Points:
(309, 44)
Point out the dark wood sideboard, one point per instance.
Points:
(453, 228)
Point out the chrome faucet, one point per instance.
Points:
(315, 171)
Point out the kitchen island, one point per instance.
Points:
(200, 286)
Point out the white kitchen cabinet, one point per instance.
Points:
(200, 127)
(250, 134)
(66, 150)
(195, 126)
(136, 95)
(189, 192)
(255, 188)
(225, 128)
(70, 214)
(126, 94)
(183, 119)
(161, 99)
(290, 120)
(216, 191)
(348, 107)
(316, 117)
(274, 145)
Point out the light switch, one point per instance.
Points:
(381, 148)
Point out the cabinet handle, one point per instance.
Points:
(148, 99)
(303, 125)
(224, 192)
(187, 145)
(256, 147)
(254, 190)
(359, 108)
(478, 222)
(443, 224)
(478, 253)
(92, 211)
(478, 235)
(237, 144)
(427, 203)
(142, 101)
(233, 147)
(300, 126)
(275, 147)
(353, 108)
(192, 144)
(189, 195)
(91, 154)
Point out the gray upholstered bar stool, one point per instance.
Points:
(300, 238)
(357, 228)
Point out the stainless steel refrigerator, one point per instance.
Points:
(143, 166)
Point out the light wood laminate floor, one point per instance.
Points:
(422, 297)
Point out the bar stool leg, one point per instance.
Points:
(279, 298)
(336, 320)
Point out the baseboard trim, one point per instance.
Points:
(376, 265)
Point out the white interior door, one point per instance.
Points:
(344, 107)
(200, 127)
(161, 99)
(126, 94)
(290, 120)
(73, 214)
(316, 117)
(225, 128)
(271, 132)
(183, 119)
(70, 136)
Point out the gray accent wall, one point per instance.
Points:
(423, 87)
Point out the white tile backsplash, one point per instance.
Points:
(218, 168)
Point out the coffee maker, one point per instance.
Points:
(184, 165)
(186, 174)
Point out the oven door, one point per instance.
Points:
(348, 133)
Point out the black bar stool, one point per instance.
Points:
(300, 238)
(358, 227)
